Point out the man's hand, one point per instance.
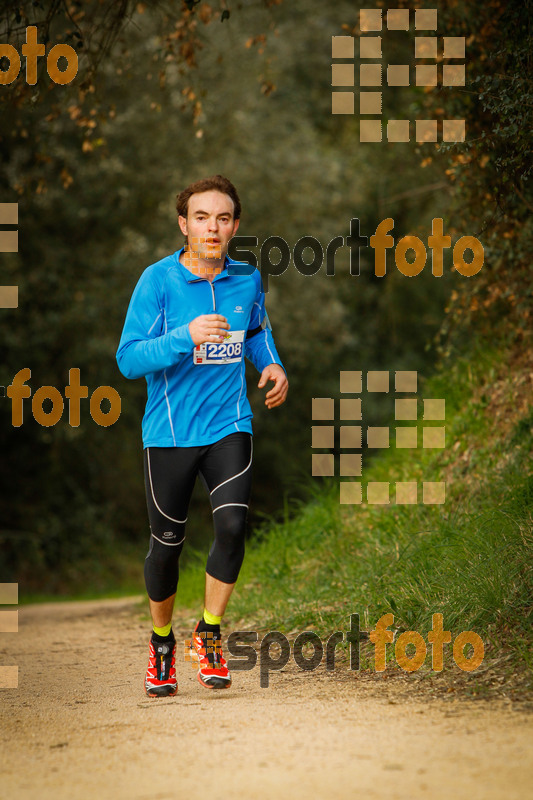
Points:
(208, 328)
(276, 396)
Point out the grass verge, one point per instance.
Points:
(469, 559)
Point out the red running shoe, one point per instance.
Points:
(160, 678)
(213, 672)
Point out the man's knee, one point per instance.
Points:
(227, 553)
(161, 570)
(230, 528)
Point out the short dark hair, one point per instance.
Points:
(217, 182)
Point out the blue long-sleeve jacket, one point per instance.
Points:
(196, 396)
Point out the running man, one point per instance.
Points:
(188, 327)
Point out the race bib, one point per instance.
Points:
(230, 351)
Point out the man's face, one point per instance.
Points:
(209, 224)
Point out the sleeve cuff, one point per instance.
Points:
(182, 340)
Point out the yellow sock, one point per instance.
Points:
(164, 632)
(211, 619)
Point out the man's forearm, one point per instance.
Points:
(261, 350)
(138, 357)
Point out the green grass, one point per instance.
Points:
(133, 589)
(114, 571)
(469, 559)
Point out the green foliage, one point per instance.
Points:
(95, 175)
(469, 560)
(491, 172)
(95, 167)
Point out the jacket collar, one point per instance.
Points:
(190, 277)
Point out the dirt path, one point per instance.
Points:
(80, 727)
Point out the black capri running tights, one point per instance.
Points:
(225, 468)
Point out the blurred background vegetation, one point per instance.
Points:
(242, 89)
